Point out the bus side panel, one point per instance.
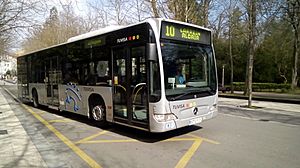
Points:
(23, 93)
(41, 91)
(105, 93)
(74, 98)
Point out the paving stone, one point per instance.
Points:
(16, 147)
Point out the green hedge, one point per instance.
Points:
(260, 87)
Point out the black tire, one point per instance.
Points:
(35, 99)
(98, 113)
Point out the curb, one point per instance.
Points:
(270, 99)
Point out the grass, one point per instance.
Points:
(296, 91)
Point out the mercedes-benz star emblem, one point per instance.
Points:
(195, 111)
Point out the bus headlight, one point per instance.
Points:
(164, 117)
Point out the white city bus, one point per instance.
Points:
(157, 75)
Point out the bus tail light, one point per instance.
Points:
(164, 117)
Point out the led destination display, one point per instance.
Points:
(179, 32)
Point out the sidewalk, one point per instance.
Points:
(16, 147)
(265, 96)
(265, 105)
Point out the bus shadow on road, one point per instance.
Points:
(150, 137)
(132, 133)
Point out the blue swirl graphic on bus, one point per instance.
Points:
(73, 92)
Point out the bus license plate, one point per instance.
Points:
(195, 121)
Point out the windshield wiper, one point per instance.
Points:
(179, 96)
(192, 92)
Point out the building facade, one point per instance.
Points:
(8, 65)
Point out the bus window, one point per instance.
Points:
(102, 68)
(71, 73)
(139, 89)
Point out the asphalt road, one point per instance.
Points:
(235, 138)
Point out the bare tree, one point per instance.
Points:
(57, 28)
(113, 11)
(16, 15)
(139, 11)
(185, 11)
(154, 8)
(70, 24)
(139, 5)
(205, 11)
(119, 10)
(97, 15)
(292, 10)
(251, 10)
(230, 44)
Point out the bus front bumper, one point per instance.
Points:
(179, 123)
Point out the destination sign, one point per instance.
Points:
(95, 42)
(180, 32)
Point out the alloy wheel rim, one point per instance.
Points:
(97, 113)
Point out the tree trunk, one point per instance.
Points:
(252, 25)
(186, 11)
(295, 68)
(205, 12)
(246, 93)
(154, 8)
(230, 49)
(231, 66)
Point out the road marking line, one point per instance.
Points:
(84, 140)
(110, 141)
(60, 121)
(205, 139)
(188, 155)
(180, 139)
(77, 150)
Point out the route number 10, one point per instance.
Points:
(170, 31)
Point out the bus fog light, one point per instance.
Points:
(164, 117)
(213, 108)
(170, 125)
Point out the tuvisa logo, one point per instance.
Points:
(179, 106)
(187, 105)
(121, 40)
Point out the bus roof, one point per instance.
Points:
(94, 33)
(112, 28)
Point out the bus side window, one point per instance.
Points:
(102, 68)
(71, 74)
(91, 78)
(102, 73)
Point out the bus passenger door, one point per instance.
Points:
(130, 88)
(53, 75)
(120, 85)
(55, 79)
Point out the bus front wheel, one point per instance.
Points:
(98, 114)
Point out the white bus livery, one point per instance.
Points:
(157, 75)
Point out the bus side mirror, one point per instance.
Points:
(151, 52)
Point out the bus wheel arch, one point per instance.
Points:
(97, 108)
(35, 97)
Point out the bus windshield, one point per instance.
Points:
(189, 70)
